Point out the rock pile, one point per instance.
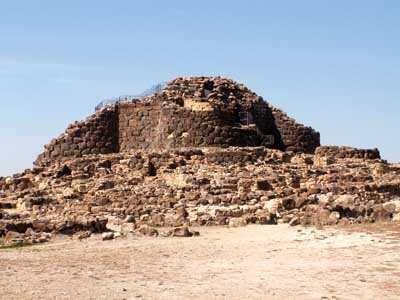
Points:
(191, 187)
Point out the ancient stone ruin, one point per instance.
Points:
(191, 112)
(202, 151)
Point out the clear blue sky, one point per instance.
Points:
(334, 65)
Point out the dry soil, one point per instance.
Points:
(253, 262)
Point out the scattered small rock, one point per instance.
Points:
(237, 222)
(182, 232)
(84, 235)
(147, 230)
(106, 236)
(294, 221)
(129, 219)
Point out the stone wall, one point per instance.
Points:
(165, 125)
(138, 124)
(295, 136)
(191, 112)
(347, 152)
(97, 134)
(246, 108)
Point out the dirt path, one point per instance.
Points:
(254, 262)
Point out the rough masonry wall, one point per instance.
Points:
(166, 125)
(189, 112)
(228, 96)
(97, 134)
(347, 152)
(138, 125)
(295, 136)
(184, 127)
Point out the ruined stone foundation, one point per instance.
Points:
(203, 151)
(192, 112)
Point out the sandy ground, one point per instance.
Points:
(253, 262)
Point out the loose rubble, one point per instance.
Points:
(197, 187)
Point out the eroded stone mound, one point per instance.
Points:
(202, 151)
(200, 186)
(188, 112)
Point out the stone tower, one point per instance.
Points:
(188, 112)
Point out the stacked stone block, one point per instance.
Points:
(97, 134)
(137, 125)
(295, 136)
(347, 152)
(165, 125)
(189, 112)
(250, 109)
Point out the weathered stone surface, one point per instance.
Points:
(231, 186)
(197, 154)
(147, 230)
(347, 152)
(182, 232)
(13, 238)
(106, 236)
(237, 222)
(95, 135)
(189, 112)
